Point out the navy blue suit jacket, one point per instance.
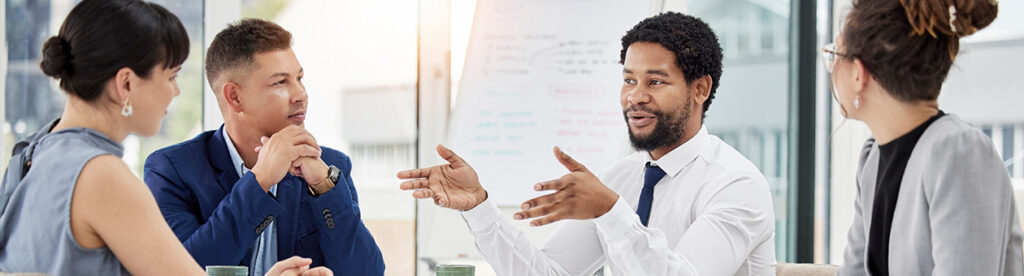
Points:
(218, 216)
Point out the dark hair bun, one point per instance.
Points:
(956, 18)
(56, 54)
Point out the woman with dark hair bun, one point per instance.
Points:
(933, 196)
(68, 204)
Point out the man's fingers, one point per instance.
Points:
(440, 200)
(306, 138)
(305, 151)
(536, 211)
(296, 261)
(554, 185)
(450, 156)
(289, 266)
(553, 217)
(295, 271)
(414, 184)
(296, 167)
(423, 193)
(421, 190)
(568, 162)
(318, 271)
(414, 173)
(263, 142)
(545, 200)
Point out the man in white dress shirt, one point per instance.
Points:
(684, 204)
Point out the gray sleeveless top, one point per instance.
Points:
(35, 204)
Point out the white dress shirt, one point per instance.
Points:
(711, 215)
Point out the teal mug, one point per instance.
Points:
(227, 270)
(455, 270)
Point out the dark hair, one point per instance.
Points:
(235, 46)
(909, 45)
(695, 45)
(99, 37)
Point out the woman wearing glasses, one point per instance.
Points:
(68, 204)
(933, 196)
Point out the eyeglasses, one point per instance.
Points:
(828, 56)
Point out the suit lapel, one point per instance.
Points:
(868, 184)
(221, 160)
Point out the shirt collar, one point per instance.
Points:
(675, 160)
(236, 159)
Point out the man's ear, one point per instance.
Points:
(230, 91)
(701, 89)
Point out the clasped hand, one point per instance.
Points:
(294, 150)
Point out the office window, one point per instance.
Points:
(32, 99)
(750, 111)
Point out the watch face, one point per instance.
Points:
(334, 173)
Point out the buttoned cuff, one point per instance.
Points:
(617, 221)
(483, 215)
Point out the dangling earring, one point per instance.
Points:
(126, 110)
(856, 102)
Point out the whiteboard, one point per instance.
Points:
(539, 74)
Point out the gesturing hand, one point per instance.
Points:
(578, 195)
(453, 185)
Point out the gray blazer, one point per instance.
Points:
(955, 214)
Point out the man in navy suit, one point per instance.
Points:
(260, 189)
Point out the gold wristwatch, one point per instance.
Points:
(333, 174)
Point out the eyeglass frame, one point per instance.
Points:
(829, 54)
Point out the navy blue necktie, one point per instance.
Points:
(652, 175)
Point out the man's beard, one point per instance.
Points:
(667, 131)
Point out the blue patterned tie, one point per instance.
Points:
(652, 175)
